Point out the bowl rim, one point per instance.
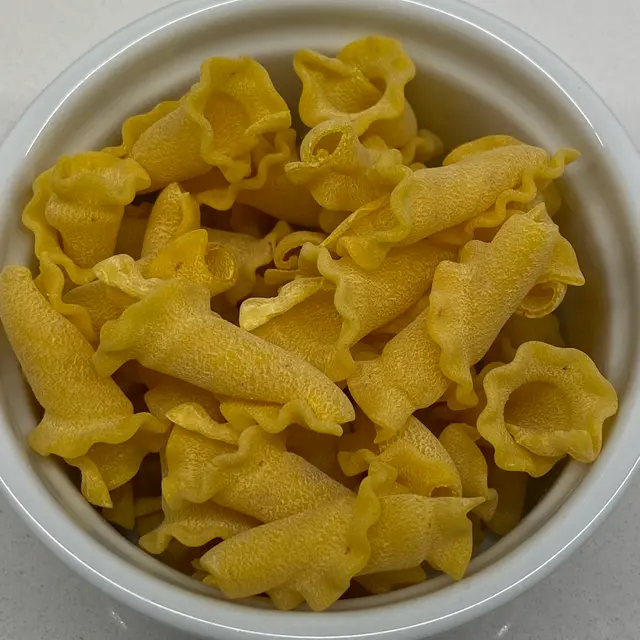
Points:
(429, 614)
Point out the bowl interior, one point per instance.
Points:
(469, 83)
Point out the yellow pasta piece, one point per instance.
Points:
(347, 88)
(192, 257)
(317, 552)
(518, 330)
(321, 318)
(341, 172)
(423, 147)
(424, 466)
(194, 525)
(88, 195)
(479, 145)
(406, 377)
(250, 254)
(122, 513)
(174, 213)
(547, 403)
(549, 291)
(217, 124)
(267, 188)
(81, 408)
(402, 321)
(296, 556)
(460, 442)
(133, 227)
(431, 200)
(470, 301)
(106, 467)
(247, 478)
(169, 393)
(511, 487)
(388, 580)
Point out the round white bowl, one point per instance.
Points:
(476, 75)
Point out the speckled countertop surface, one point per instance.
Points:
(591, 597)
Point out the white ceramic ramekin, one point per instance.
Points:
(477, 75)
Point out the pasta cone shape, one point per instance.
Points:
(431, 200)
(81, 408)
(174, 213)
(423, 464)
(285, 255)
(547, 403)
(460, 442)
(314, 553)
(246, 478)
(341, 172)
(194, 525)
(406, 377)
(346, 88)
(511, 487)
(250, 254)
(520, 329)
(159, 332)
(88, 195)
(217, 124)
(193, 258)
(320, 319)
(551, 287)
(470, 301)
(106, 467)
(267, 188)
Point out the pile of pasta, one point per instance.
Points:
(304, 371)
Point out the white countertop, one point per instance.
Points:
(593, 596)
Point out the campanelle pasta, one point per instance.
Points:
(305, 365)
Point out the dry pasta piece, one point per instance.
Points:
(424, 466)
(217, 124)
(547, 403)
(518, 330)
(169, 393)
(341, 172)
(347, 88)
(470, 301)
(314, 554)
(511, 487)
(173, 331)
(248, 478)
(106, 467)
(194, 525)
(317, 552)
(122, 513)
(321, 318)
(174, 213)
(385, 581)
(250, 254)
(267, 188)
(81, 408)
(395, 326)
(406, 377)
(423, 147)
(549, 291)
(431, 200)
(460, 442)
(192, 257)
(479, 145)
(88, 194)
